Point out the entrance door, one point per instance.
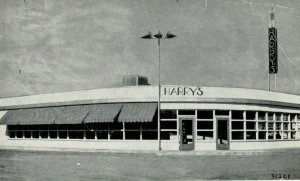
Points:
(222, 134)
(186, 134)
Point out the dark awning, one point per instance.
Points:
(102, 113)
(63, 115)
(138, 112)
(72, 115)
(8, 117)
(31, 116)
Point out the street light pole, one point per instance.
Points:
(158, 105)
(158, 36)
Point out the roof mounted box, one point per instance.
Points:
(135, 80)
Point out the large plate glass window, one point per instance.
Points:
(205, 125)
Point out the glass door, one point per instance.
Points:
(222, 134)
(186, 135)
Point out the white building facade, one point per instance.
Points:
(125, 118)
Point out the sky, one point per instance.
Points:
(51, 46)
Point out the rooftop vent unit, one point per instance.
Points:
(135, 80)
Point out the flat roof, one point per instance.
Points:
(169, 93)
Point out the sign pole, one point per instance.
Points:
(269, 82)
(275, 83)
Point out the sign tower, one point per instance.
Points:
(273, 50)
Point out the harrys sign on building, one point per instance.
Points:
(192, 118)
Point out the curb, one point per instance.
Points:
(158, 153)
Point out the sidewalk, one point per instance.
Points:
(159, 153)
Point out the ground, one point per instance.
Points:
(45, 165)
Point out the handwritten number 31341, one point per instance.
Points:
(280, 176)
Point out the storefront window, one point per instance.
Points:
(285, 117)
(26, 127)
(19, 134)
(102, 135)
(52, 127)
(76, 127)
(297, 135)
(298, 126)
(293, 135)
(168, 135)
(90, 134)
(168, 124)
(44, 134)
(27, 134)
(270, 135)
(149, 135)
(237, 125)
(132, 131)
(62, 127)
(261, 116)
(262, 135)
(261, 126)
(250, 115)
(115, 126)
(270, 126)
(132, 126)
(285, 135)
(186, 112)
(102, 126)
(205, 135)
(149, 130)
(278, 116)
(205, 125)
(237, 135)
(285, 126)
(278, 126)
(202, 114)
(35, 134)
(168, 114)
(76, 134)
(271, 116)
(116, 135)
(221, 113)
(278, 134)
(293, 126)
(237, 115)
(292, 117)
(150, 125)
(53, 134)
(132, 135)
(62, 134)
(250, 125)
(249, 129)
(12, 134)
(250, 135)
(12, 127)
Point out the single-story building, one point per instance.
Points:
(191, 118)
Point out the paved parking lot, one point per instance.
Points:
(41, 165)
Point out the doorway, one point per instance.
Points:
(222, 134)
(186, 134)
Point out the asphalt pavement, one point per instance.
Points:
(163, 165)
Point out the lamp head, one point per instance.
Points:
(169, 35)
(158, 35)
(148, 36)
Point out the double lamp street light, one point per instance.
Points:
(158, 36)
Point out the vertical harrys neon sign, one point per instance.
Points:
(273, 57)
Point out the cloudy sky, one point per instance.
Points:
(52, 46)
